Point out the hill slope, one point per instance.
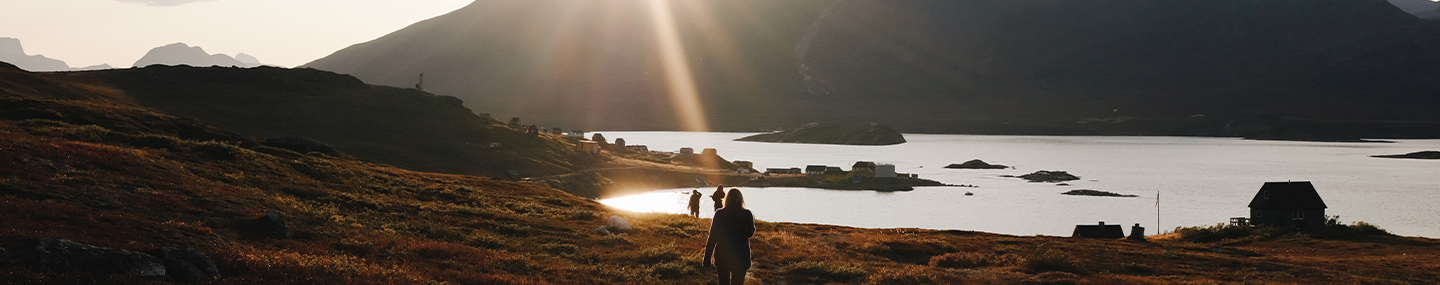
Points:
(401, 127)
(1328, 68)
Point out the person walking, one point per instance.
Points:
(718, 196)
(695, 202)
(727, 249)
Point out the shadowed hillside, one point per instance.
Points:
(1327, 69)
(402, 127)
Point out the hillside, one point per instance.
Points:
(1316, 70)
(830, 133)
(117, 176)
(401, 127)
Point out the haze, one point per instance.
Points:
(278, 32)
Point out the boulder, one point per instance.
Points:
(187, 265)
(618, 225)
(5, 258)
(1049, 176)
(272, 225)
(602, 231)
(67, 255)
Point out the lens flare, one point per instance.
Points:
(684, 97)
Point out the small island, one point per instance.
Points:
(829, 133)
(976, 164)
(1049, 176)
(1096, 193)
(1413, 155)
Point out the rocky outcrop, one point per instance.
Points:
(187, 265)
(272, 225)
(976, 164)
(827, 133)
(70, 256)
(1097, 193)
(1413, 155)
(1049, 176)
(616, 224)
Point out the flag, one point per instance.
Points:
(1157, 198)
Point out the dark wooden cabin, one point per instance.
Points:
(1098, 231)
(1287, 204)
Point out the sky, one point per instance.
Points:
(279, 32)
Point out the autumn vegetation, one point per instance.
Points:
(118, 175)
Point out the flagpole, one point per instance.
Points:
(1157, 212)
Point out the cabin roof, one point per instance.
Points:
(1299, 195)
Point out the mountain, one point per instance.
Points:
(182, 54)
(828, 133)
(11, 51)
(1429, 15)
(1415, 6)
(248, 60)
(1268, 68)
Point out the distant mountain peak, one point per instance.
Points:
(184, 54)
(13, 52)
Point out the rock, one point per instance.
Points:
(602, 231)
(187, 265)
(67, 255)
(1413, 155)
(976, 164)
(1049, 176)
(273, 225)
(827, 133)
(5, 258)
(1088, 192)
(618, 225)
(301, 145)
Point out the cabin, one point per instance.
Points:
(834, 174)
(637, 148)
(1287, 204)
(863, 165)
(1098, 231)
(687, 151)
(588, 147)
(815, 170)
(792, 170)
(709, 152)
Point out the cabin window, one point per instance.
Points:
(1298, 215)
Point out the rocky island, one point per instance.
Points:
(1049, 176)
(892, 184)
(1096, 193)
(976, 164)
(1413, 155)
(830, 133)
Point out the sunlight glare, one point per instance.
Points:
(684, 97)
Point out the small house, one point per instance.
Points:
(637, 148)
(1287, 204)
(792, 170)
(1098, 231)
(834, 174)
(588, 147)
(815, 170)
(863, 165)
(709, 152)
(687, 151)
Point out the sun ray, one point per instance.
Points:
(684, 96)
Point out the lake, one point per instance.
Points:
(1200, 181)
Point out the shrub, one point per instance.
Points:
(218, 150)
(1052, 260)
(584, 215)
(902, 276)
(672, 270)
(822, 270)
(485, 240)
(660, 254)
(560, 248)
(962, 260)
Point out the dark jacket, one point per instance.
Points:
(729, 239)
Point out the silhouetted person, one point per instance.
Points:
(718, 196)
(729, 240)
(695, 203)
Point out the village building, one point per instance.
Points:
(863, 165)
(815, 169)
(588, 147)
(744, 164)
(709, 152)
(687, 151)
(1287, 204)
(792, 170)
(637, 148)
(577, 134)
(1098, 231)
(885, 171)
(834, 174)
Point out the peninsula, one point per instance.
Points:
(829, 133)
